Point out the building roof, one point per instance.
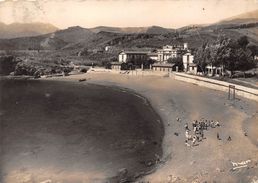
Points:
(116, 63)
(212, 67)
(162, 65)
(153, 54)
(188, 53)
(192, 65)
(135, 52)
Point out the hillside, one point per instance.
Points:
(74, 34)
(234, 27)
(237, 21)
(74, 39)
(32, 43)
(132, 30)
(52, 41)
(15, 30)
(247, 15)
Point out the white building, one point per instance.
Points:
(153, 55)
(127, 56)
(116, 65)
(159, 67)
(107, 48)
(189, 66)
(213, 70)
(160, 55)
(167, 52)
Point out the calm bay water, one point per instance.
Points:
(69, 132)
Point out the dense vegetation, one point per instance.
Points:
(16, 66)
(7, 64)
(232, 55)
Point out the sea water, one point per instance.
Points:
(74, 132)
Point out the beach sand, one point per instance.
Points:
(211, 160)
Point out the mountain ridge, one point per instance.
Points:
(15, 30)
(76, 37)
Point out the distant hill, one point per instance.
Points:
(245, 24)
(74, 34)
(245, 18)
(248, 15)
(158, 30)
(79, 38)
(15, 30)
(32, 43)
(133, 30)
(52, 41)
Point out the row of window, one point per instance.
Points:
(162, 69)
(215, 71)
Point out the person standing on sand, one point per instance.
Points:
(186, 126)
(188, 137)
(194, 124)
(206, 125)
(187, 144)
(195, 129)
(218, 136)
(202, 134)
(194, 140)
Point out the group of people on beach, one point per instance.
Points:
(198, 127)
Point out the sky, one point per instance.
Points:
(122, 13)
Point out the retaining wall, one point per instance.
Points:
(242, 91)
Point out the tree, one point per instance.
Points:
(243, 41)
(244, 60)
(235, 55)
(8, 64)
(201, 57)
(230, 54)
(253, 48)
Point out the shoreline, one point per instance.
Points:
(179, 159)
(211, 160)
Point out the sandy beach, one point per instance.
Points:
(211, 160)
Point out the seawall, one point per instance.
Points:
(246, 92)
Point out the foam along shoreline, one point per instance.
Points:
(212, 159)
